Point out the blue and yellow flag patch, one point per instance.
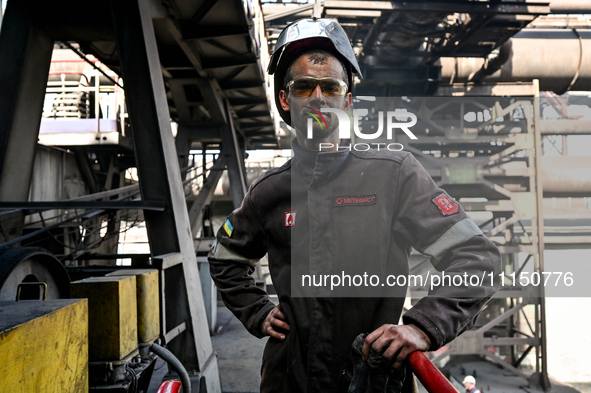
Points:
(228, 228)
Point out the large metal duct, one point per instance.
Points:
(559, 58)
(565, 127)
(562, 177)
(570, 7)
(566, 176)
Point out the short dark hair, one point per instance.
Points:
(317, 56)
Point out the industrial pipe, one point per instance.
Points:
(559, 58)
(562, 177)
(565, 127)
(173, 362)
(566, 176)
(570, 7)
(429, 375)
(493, 64)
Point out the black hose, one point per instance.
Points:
(176, 364)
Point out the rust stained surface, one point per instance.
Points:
(44, 346)
(112, 308)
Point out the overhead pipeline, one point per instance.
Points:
(559, 58)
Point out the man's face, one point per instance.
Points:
(318, 66)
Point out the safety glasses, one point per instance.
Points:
(305, 86)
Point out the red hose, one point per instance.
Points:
(429, 375)
(170, 387)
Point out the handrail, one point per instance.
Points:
(429, 375)
(170, 387)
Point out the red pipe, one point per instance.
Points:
(429, 375)
(170, 387)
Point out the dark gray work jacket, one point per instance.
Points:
(325, 207)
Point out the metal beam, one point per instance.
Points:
(471, 7)
(103, 205)
(193, 57)
(216, 63)
(205, 194)
(183, 146)
(242, 85)
(517, 197)
(202, 11)
(289, 12)
(247, 101)
(252, 125)
(542, 355)
(169, 231)
(253, 114)
(198, 32)
(25, 57)
(235, 160)
(201, 133)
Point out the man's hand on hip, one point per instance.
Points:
(396, 342)
(273, 321)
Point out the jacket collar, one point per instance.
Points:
(317, 165)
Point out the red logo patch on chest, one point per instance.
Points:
(290, 219)
(445, 205)
(355, 200)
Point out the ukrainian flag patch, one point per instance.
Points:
(228, 228)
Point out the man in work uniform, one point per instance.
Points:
(325, 208)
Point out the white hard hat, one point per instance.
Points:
(470, 379)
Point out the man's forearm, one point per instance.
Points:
(249, 303)
(452, 309)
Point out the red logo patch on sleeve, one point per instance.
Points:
(290, 219)
(445, 205)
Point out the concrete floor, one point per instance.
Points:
(239, 355)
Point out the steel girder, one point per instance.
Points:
(25, 55)
(399, 42)
(458, 155)
(169, 231)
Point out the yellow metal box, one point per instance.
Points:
(112, 315)
(148, 302)
(44, 346)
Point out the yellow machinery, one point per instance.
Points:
(124, 320)
(112, 316)
(44, 346)
(148, 307)
(102, 339)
